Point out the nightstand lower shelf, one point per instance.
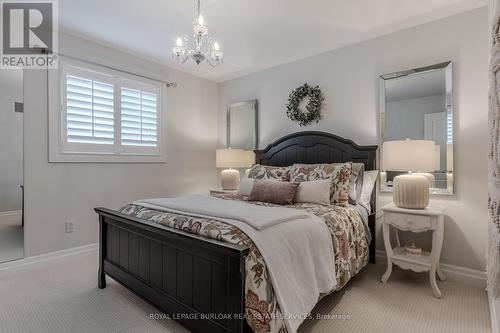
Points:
(421, 263)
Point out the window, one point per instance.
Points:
(449, 127)
(138, 118)
(89, 111)
(104, 116)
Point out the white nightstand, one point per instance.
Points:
(428, 219)
(221, 191)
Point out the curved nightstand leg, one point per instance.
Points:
(388, 251)
(440, 274)
(437, 242)
(398, 243)
(435, 289)
(388, 272)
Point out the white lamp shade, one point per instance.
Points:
(409, 155)
(234, 158)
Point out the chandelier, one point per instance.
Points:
(205, 48)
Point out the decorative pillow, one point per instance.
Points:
(355, 182)
(370, 178)
(338, 174)
(246, 186)
(269, 172)
(314, 191)
(273, 191)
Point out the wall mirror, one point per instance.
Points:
(242, 125)
(417, 104)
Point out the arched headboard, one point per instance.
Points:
(315, 147)
(312, 147)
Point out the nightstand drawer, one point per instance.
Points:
(409, 222)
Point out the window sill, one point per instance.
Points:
(105, 158)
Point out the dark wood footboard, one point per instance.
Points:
(199, 282)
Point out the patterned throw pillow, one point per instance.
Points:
(269, 172)
(355, 182)
(339, 174)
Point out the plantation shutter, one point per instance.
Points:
(139, 118)
(89, 111)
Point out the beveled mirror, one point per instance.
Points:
(417, 104)
(242, 125)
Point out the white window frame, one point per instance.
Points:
(62, 151)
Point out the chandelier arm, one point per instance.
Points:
(209, 61)
(186, 57)
(212, 62)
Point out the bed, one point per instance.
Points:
(201, 281)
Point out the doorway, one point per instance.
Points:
(11, 165)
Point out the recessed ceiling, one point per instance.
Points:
(254, 34)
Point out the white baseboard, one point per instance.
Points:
(494, 313)
(49, 256)
(11, 213)
(10, 216)
(464, 275)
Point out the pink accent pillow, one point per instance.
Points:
(273, 191)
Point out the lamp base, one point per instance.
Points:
(430, 177)
(411, 191)
(230, 179)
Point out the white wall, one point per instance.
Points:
(57, 192)
(348, 78)
(11, 140)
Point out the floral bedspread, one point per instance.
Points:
(261, 307)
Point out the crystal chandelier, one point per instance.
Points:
(205, 48)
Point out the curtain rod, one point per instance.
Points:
(169, 84)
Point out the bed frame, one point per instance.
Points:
(199, 281)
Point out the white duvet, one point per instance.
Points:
(296, 246)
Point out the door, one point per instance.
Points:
(435, 129)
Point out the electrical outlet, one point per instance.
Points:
(70, 226)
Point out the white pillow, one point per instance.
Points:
(369, 180)
(314, 191)
(246, 185)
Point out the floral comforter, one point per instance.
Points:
(261, 307)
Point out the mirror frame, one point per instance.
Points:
(448, 67)
(253, 104)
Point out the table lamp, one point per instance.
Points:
(410, 190)
(230, 159)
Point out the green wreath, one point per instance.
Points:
(313, 107)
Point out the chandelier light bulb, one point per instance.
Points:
(216, 46)
(201, 20)
(179, 41)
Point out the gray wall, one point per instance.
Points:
(348, 78)
(11, 140)
(58, 192)
(405, 119)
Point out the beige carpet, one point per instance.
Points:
(62, 296)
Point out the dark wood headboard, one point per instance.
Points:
(313, 147)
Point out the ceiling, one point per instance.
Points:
(254, 34)
(416, 86)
